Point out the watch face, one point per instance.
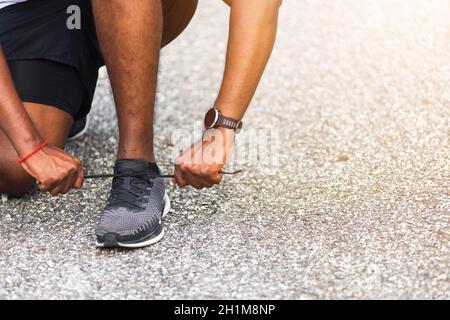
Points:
(211, 118)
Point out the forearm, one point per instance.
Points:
(253, 27)
(14, 120)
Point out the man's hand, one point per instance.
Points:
(200, 165)
(55, 170)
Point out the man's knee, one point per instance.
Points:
(177, 16)
(14, 181)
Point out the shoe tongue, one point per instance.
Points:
(139, 165)
(125, 166)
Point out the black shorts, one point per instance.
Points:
(50, 63)
(55, 65)
(51, 83)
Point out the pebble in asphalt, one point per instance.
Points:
(358, 206)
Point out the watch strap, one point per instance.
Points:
(228, 123)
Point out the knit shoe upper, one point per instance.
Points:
(135, 206)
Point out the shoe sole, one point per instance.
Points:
(81, 133)
(148, 242)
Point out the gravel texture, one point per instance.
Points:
(357, 207)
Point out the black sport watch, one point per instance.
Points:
(214, 119)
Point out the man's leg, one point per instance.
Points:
(130, 34)
(53, 124)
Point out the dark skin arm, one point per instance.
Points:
(15, 122)
(253, 28)
(54, 169)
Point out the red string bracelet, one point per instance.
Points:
(33, 153)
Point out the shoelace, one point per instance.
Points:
(133, 193)
(132, 196)
(162, 176)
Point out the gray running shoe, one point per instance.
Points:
(136, 206)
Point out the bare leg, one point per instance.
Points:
(53, 124)
(130, 35)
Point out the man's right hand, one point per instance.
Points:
(55, 170)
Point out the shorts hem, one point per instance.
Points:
(54, 58)
(56, 103)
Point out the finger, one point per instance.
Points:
(69, 183)
(209, 175)
(217, 178)
(193, 178)
(197, 184)
(71, 176)
(186, 171)
(79, 180)
(190, 178)
(54, 192)
(202, 182)
(48, 185)
(59, 188)
(179, 178)
(208, 185)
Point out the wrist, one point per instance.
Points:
(214, 118)
(34, 153)
(229, 110)
(27, 145)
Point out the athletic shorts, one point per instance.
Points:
(53, 60)
(51, 63)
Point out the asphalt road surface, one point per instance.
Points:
(353, 202)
